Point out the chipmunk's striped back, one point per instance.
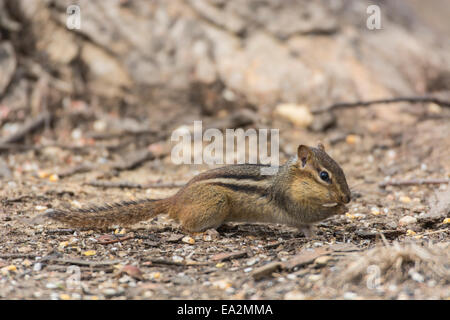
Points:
(295, 195)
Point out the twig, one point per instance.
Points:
(117, 239)
(175, 263)
(77, 169)
(135, 160)
(113, 184)
(52, 231)
(413, 182)
(83, 262)
(27, 128)
(229, 256)
(164, 185)
(119, 134)
(433, 232)
(131, 185)
(345, 105)
(17, 255)
(26, 147)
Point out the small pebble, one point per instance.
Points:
(252, 261)
(222, 284)
(350, 295)
(188, 240)
(6, 270)
(51, 285)
(109, 292)
(314, 277)
(352, 139)
(291, 276)
(297, 114)
(54, 296)
(76, 296)
(406, 220)
(37, 267)
(416, 276)
(375, 211)
(125, 279)
(177, 259)
(53, 178)
(120, 231)
(155, 275)
(26, 263)
(294, 295)
(323, 260)
(64, 296)
(405, 199)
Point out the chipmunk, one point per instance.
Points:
(308, 188)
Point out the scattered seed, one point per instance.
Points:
(188, 240)
(89, 253)
(405, 199)
(53, 178)
(64, 296)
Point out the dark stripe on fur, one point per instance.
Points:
(249, 189)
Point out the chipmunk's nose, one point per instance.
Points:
(346, 198)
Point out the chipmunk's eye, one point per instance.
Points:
(324, 176)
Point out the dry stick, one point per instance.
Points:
(28, 127)
(112, 184)
(18, 255)
(433, 232)
(344, 105)
(77, 169)
(175, 263)
(413, 182)
(53, 231)
(131, 185)
(83, 262)
(135, 160)
(119, 239)
(25, 147)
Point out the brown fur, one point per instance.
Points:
(294, 196)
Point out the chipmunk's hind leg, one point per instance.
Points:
(209, 213)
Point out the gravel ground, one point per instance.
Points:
(392, 244)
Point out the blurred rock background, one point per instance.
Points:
(187, 59)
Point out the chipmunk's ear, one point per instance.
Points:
(320, 146)
(304, 154)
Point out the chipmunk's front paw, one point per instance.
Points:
(210, 234)
(309, 231)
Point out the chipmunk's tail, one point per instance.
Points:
(121, 213)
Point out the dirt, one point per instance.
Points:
(170, 266)
(75, 135)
